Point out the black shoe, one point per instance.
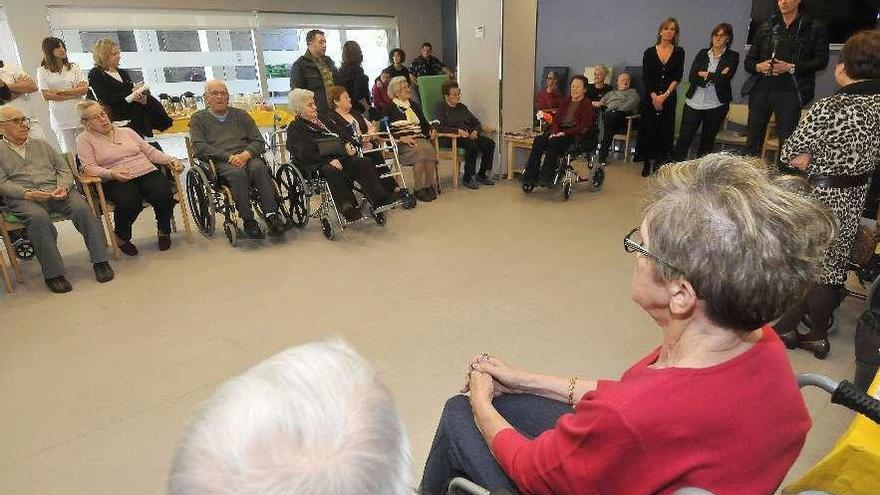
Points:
(252, 229)
(58, 285)
(646, 168)
(276, 223)
(127, 247)
(482, 179)
(164, 241)
(103, 272)
(470, 183)
(432, 193)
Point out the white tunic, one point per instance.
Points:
(64, 114)
(20, 101)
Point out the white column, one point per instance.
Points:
(518, 66)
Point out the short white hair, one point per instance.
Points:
(394, 86)
(298, 98)
(83, 106)
(311, 420)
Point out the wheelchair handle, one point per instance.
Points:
(848, 395)
(845, 394)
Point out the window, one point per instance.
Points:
(8, 53)
(252, 52)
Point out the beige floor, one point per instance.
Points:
(96, 385)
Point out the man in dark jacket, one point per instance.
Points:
(314, 70)
(787, 51)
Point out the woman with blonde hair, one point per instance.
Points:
(662, 70)
(63, 85)
(410, 128)
(125, 99)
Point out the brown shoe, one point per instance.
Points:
(164, 241)
(103, 272)
(126, 247)
(423, 195)
(58, 285)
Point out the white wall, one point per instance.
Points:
(520, 29)
(418, 20)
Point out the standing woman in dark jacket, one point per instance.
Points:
(352, 77)
(574, 117)
(786, 52)
(126, 100)
(708, 98)
(662, 70)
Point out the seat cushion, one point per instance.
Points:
(13, 218)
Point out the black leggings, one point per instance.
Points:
(128, 201)
(709, 121)
(356, 168)
(819, 304)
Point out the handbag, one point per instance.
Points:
(863, 246)
(330, 147)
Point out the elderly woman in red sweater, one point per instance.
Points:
(574, 117)
(716, 406)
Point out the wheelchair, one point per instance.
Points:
(843, 393)
(584, 146)
(209, 195)
(298, 188)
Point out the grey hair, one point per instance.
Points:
(747, 239)
(298, 98)
(311, 420)
(84, 105)
(394, 86)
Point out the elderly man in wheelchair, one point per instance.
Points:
(228, 138)
(715, 406)
(319, 152)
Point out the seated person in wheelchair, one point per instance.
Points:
(351, 126)
(312, 420)
(122, 158)
(715, 406)
(230, 137)
(314, 147)
(617, 105)
(36, 181)
(574, 117)
(455, 118)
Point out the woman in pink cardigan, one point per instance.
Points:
(125, 162)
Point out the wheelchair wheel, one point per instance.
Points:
(527, 187)
(598, 177)
(566, 189)
(231, 233)
(327, 228)
(24, 249)
(379, 218)
(200, 195)
(295, 193)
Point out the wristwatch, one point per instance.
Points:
(791, 71)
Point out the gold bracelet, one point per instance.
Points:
(571, 382)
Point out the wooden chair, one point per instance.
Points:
(628, 138)
(771, 138)
(738, 115)
(104, 208)
(9, 222)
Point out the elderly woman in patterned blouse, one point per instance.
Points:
(839, 159)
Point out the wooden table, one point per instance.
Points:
(263, 118)
(516, 141)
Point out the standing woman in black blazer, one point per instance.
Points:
(662, 69)
(113, 87)
(708, 98)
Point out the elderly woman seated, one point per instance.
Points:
(715, 406)
(353, 128)
(455, 118)
(410, 128)
(314, 147)
(125, 161)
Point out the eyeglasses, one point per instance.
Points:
(101, 114)
(23, 121)
(632, 243)
(719, 35)
(218, 93)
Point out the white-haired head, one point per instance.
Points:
(311, 420)
(298, 98)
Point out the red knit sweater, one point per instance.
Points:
(734, 428)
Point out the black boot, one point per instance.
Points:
(647, 168)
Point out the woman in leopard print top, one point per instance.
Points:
(838, 146)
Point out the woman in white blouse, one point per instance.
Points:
(63, 85)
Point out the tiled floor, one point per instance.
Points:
(98, 384)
